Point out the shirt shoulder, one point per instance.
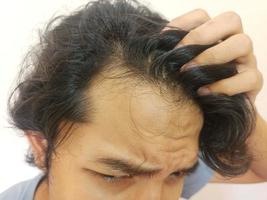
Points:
(23, 190)
(197, 180)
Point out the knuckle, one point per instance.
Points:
(246, 42)
(261, 81)
(202, 13)
(210, 56)
(260, 78)
(257, 77)
(233, 16)
(253, 58)
(195, 36)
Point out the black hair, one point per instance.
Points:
(73, 49)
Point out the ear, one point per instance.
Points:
(39, 146)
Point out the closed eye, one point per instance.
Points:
(119, 179)
(113, 179)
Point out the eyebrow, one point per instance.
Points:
(129, 168)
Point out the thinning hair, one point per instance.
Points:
(73, 49)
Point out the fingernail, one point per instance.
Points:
(203, 91)
(189, 65)
(165, 29)
(179, 45)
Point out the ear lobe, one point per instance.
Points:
(38, 145)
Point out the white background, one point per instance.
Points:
(20, 20)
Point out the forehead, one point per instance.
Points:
(139, 123)
(141, 116)
(148, 109)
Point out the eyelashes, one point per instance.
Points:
(120, 179)
(113, 179)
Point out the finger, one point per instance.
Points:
(246, 62)
(218, 28)
(247, 81)
(189, 20)
(237, 46)
(249, 60)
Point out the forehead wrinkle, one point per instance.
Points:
(123, 101)
(180, 127)
(128, 166)
(132, 168)
(134, 126)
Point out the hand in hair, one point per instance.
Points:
(93, 40)
(233, 45)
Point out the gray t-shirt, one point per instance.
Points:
(193, 183)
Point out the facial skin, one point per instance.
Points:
(135, 124)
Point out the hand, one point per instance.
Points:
(226, 29)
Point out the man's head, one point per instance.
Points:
(105, 98)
